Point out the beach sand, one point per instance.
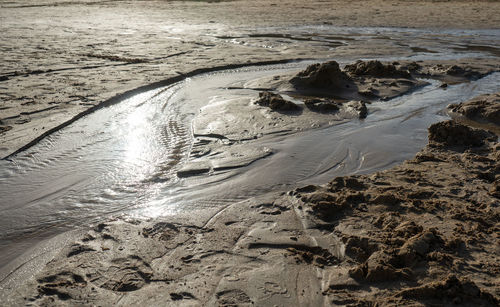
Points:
(424, 232)
(421, 233)
(61, 58)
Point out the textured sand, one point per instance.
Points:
(425, 232)
(60, 58)
(421, 233)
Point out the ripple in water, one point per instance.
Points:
(123, 159)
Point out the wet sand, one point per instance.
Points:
(423, 232)
(62, 58)
(419, 233)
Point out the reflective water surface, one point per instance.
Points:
(122, 160)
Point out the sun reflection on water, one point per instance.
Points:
(139, 145)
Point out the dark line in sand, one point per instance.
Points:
(6, 76)
(66, 3)
(120, 97)
(28, 113)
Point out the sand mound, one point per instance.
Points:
(376, 69)
(484, 108)
(322, 75)
(450, 133)
(370, 80)
(276, 102)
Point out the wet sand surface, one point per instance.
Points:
(192, 172)
(138, 181)
(132, 158)
(61, 58)
(405, 236)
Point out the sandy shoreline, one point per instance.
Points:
(402, 236)
(58, 65)
(424, 232)
(419, 233)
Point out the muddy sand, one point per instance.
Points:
(424, 232)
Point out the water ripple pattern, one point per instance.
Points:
(123, 159)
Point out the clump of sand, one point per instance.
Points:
(485, 108)
(362, 80)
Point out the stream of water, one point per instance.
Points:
(123, 159)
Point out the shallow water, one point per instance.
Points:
(122, 160)
(422, 43)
